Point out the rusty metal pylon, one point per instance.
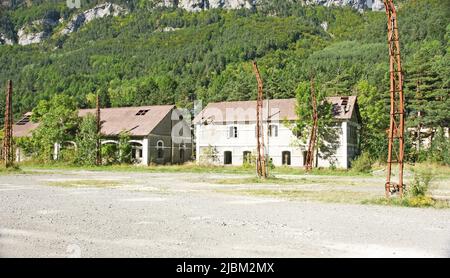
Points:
(261, 165)
(7, 140)
(313, 135)
(98, 160)
(397, 111)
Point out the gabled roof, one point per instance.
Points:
(24, 126)
(343, 108)
(116, 120)
(139, 121)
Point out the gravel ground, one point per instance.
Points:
(186, 215)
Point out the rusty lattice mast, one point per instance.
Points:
(397, 111)
(315, 126)
(98, 160)
(7, 140)
(261, 165)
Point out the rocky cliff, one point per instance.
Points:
(198, 5)
(39, 30)
(36, 31)
(374, 5)
(99, 11)
(5, 40)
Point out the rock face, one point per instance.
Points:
(356, 4)
(5, 40)
(30, 38)
(39, 30)
(377, 5)
(98, 11)
(198, 5)
(35, 32)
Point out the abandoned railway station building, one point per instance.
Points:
(158, 134)
(226, 133)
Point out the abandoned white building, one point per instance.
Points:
(228, 129)
(158, 134)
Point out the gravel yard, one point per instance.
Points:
(62, 213)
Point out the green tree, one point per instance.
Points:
(375, 120)
(440, 148)
(327, 135)
(124, 148)
(86, 140)
(58, 123)
(427, 95)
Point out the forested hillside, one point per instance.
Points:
(166, 55)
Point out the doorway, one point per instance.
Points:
(228, 158)
(286, 158)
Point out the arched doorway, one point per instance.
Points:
(136, 151)
(160, 149)
(110, 151)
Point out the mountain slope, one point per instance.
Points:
(170, 55)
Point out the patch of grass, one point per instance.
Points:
(330, 196)
(436, 170)
(10, 170)
(255, 180)
(85, 183)
(362, 164)
(316, 181)
(191, 168)
(185, 168)
(416, 202)
(316, 172)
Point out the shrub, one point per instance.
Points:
(420, 185)
(86, 139)
(362, 164)
(125, 148)
(67, 155)
(210, 155)
(109, 154)
(249, 161)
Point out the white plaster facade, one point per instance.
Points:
(282, 146)
(285, 142)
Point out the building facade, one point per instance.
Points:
(158, 134)
(225, 133)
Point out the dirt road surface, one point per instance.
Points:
(118, 214)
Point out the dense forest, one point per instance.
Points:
(165, 55)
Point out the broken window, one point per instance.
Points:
(233, 132)
(142, 112)
(273, 130)
(286, 158)
(24, 120)
(344, 101)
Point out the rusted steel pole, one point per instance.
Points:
(7, 140)
(99, 145)
(261, 167)
(313, 135)
(397, 110)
